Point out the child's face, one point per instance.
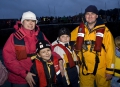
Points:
(64, 38)
(45, 54)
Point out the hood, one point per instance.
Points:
(99, 22)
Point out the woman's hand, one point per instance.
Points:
(29, 79)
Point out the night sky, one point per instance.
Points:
(15, 8)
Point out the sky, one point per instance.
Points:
(15, 8)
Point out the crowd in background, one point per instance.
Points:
(8, 23)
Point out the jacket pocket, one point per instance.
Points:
(20, 52)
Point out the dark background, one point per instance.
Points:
(51, 31)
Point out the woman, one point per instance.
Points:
(19, 49)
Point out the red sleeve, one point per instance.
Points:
(10, 60)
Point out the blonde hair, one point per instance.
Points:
(117, 41)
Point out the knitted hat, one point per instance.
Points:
(91, 8)
(28, 15)
(64, 31)
(41, 45)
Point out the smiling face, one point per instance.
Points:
(45, 54)
(91, 17)
(29, 24)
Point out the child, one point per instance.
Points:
(116, 78)
(45, 66)
(64, 48)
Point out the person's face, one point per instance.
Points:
(45, 54)
(64, 38)
(91, 17)
(29, 24)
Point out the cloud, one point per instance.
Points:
(15, 8)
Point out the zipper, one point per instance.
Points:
(49, 71)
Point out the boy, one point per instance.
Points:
(45, 66)
(116, 79)
(64, 48)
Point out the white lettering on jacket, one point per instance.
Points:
(81, 34)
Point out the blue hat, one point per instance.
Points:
(91, 8)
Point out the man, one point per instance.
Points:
(95, 46)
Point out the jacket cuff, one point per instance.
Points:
(109, 70)
(23, 73)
